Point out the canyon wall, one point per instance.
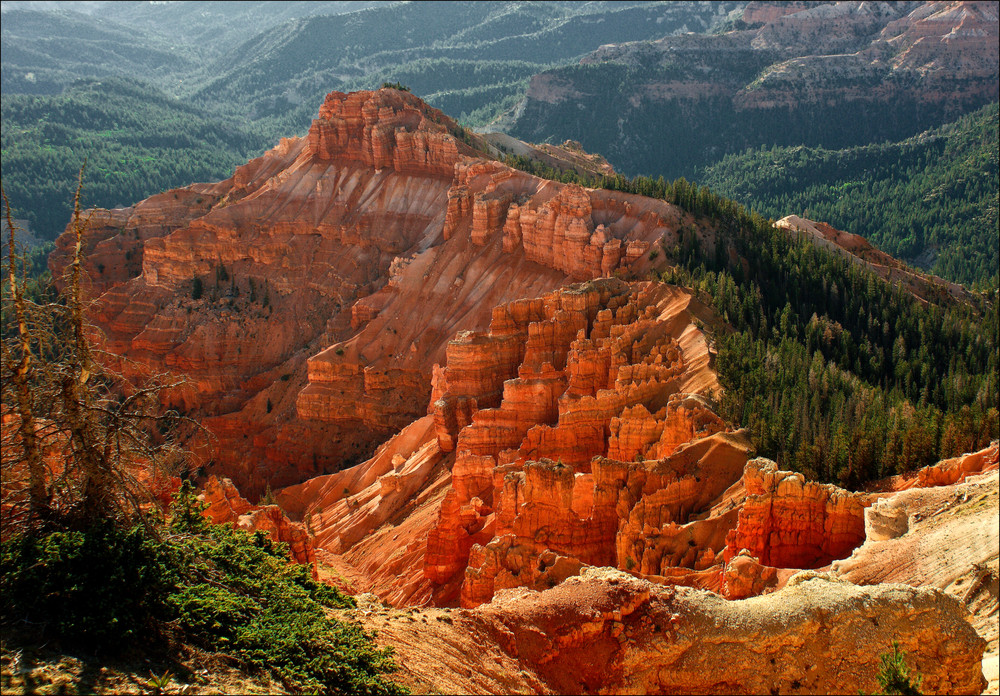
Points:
(577, 430)
(285, 295)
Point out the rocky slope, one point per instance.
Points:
(608, 632)
(940, 528)
(227, 506)
(284, 294)
(828, 73)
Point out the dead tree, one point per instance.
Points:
(87, 439)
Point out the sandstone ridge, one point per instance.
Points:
(927, 288)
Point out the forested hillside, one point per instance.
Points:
(47, 46)
(436, 43)
(835, 373)
(136, 140)
(45, 51)
(818, 92)
(931, 199)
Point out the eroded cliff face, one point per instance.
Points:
(533, 406)
(376, 285)
(577, 430)
(939, 527)
(829, 52)
(285, 295)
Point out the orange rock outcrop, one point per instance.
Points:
(284, 295)
(788, 522)
(608, 632)
(531, 410)
(227, 506)
(362, 289)
(944, 536)
(950, 471)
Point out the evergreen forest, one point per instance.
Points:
(137, 142)
(931, 199)
(834, 372)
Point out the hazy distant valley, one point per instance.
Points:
(187, 95)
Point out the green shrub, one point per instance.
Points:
(186, 511)
(211, 586)
(894, 675)
(100, 588)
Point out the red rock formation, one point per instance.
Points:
(944, 537)
(226, 505)
(573, 439)
(788, 522)
(380, 208)
(954, 470)
(593, 360)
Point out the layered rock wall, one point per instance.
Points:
(533, 495)
(322, 247)
(788, 522)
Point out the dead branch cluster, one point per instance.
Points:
(80, 442)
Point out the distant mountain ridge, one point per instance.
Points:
(657, 88)
(830, 74)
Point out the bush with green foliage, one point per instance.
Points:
(395, 85)
(108, 589)
(101, 588)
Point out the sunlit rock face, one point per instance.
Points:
(306, 299)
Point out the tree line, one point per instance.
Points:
(835, 372)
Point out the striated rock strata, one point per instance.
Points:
(946, 535)
(789, 522)
(284, 295)
(531, 408)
